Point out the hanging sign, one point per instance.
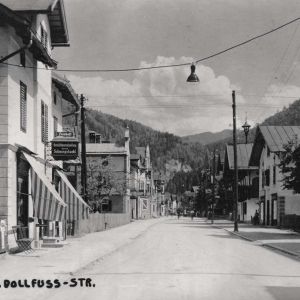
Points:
(64, 146)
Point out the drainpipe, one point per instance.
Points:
(16, 52)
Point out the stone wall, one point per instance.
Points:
(99, 222)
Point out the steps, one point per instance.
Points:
(52, 242)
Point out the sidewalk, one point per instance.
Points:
(76, 254)
(282, 240)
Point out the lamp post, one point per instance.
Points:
(246, 128)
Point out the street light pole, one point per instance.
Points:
(213, 189)
(235, 165)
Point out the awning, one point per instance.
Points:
(47, 203)
(77, 209)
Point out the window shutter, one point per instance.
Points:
(23, 110)
(46, 123)
(55, 125)
(43, 122)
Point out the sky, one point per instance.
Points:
(126, 34)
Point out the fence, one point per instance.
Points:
(99, 222)
(290, 222)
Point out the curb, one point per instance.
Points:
(262, 244)
(115, 249)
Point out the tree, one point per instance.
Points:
(290, 165)
(102, 181)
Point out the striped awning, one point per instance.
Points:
(77, 209)
(47, 203)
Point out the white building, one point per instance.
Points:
(30, 116)
(267, 149)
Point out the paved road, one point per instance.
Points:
(181, 259)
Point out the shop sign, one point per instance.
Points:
(65, 146)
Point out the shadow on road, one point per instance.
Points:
(283, 292)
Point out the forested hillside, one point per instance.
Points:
(164, 147)
(170, 153)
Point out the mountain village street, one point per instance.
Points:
(163, 258)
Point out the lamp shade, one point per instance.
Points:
(246, 127)
(193, 78)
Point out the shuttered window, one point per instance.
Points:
(23, 104)
(55, 123)
(44, 36)
(44, 122)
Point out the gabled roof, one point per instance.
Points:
(64, 86)
(104, 149)
(275, 137)
(243, 156)
(53, 8)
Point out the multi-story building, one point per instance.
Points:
(142, 185)
(30, 116)
(119, 163)
(247, 180)
(274, 200)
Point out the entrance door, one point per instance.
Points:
(268, 212)
(22, 201)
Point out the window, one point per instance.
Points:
(267, 175)
(263, 179)
(23, 103)
(142, 186)
(274, 175)
(55, 123)
(144, 204)
(44, 36)
(44, 122)
(268, 151)
(22, 59)
(54, 98)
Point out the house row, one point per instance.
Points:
(260, 186)
(36, 197)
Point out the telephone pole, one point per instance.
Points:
(83, 150)
(235, 165)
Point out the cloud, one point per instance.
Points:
(162, 99)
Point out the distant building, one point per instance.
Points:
(120, 164)
(247, 180)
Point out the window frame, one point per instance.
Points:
(23, 107)
(44, 122)
(55, 126)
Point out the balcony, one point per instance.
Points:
(247, 192)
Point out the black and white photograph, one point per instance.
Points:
(150, 149)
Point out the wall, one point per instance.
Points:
(292, 205)
(96, 222)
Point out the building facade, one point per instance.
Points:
(31, 113)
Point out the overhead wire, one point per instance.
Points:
(282, 82)
(171, 65)
(281, 60)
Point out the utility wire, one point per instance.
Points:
(173, 65)
(281, 60)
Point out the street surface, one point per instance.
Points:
(184, 259)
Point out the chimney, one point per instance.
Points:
(127, 138)
(92, 137)
(98, 138)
